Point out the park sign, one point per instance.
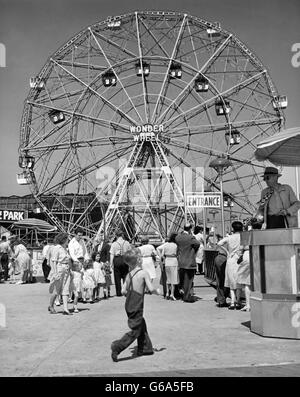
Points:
(12, 215)
(203, 200)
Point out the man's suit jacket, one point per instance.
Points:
(186, 251)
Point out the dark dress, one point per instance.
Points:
(134, 307)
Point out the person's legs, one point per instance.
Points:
(65, 303)
(247, 296)
(124, 272)
(181, 273)
(187, 283)
(51, 303)
(233, 299)
(76, 296)
(45, 269)
(144, 344)
(220, 265)
(119, 345)
(172, 287)
(164, 280)
(117, 276)
(4, 264)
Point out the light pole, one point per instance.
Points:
(214, 212)
(220, 165)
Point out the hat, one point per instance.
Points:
(271, 171)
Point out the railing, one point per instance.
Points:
(209, 266)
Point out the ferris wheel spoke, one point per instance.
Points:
(106, 101)
(116, 74)
(205, 150)
(146, 103)
(109, 140)
(194, 111)
(164, 83)
(184, 91)
(260, 134)
(81, 65)
(57, 167)
(211, 128)
(156, 40)
(62, 86)
(91, 167)
(102, 122)
(114, 44)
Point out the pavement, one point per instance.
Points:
(190, 339)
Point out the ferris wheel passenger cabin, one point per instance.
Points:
(109, 79)
(201, 84)
(36, 83)
(222, 107)
(280, 102)
(175, 71)
(56, 116)
(142, 70)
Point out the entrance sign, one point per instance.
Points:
(203, 200)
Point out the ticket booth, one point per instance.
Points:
(275, 281)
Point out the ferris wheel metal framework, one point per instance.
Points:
(164, 88)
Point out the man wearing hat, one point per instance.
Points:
(187, 246)
(278, 204)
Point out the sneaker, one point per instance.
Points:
(76, 310)
(57, 303)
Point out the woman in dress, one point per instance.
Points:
(23, 259)
(168, 251)
(60, 274)
(148, 254)
(233, 243)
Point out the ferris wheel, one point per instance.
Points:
(132, 110)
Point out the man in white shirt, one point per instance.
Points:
(77, 247)
(117, 250)
(5, 253)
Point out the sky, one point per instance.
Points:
(32, 30)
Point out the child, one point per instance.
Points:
(77, 268)
(89, 282)
(243, 277)
(99, 276)
(105, 266)
(134, 290)
(13, 271)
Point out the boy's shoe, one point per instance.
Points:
(145, 353)
(114, 354)
(76, 310)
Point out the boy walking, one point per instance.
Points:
(134, 290)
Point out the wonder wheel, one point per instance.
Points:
(133, 108)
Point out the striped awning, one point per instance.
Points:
(33, 223)
(281, 149)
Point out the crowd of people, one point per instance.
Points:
(75, 275)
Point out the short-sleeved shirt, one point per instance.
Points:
(119, 247)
